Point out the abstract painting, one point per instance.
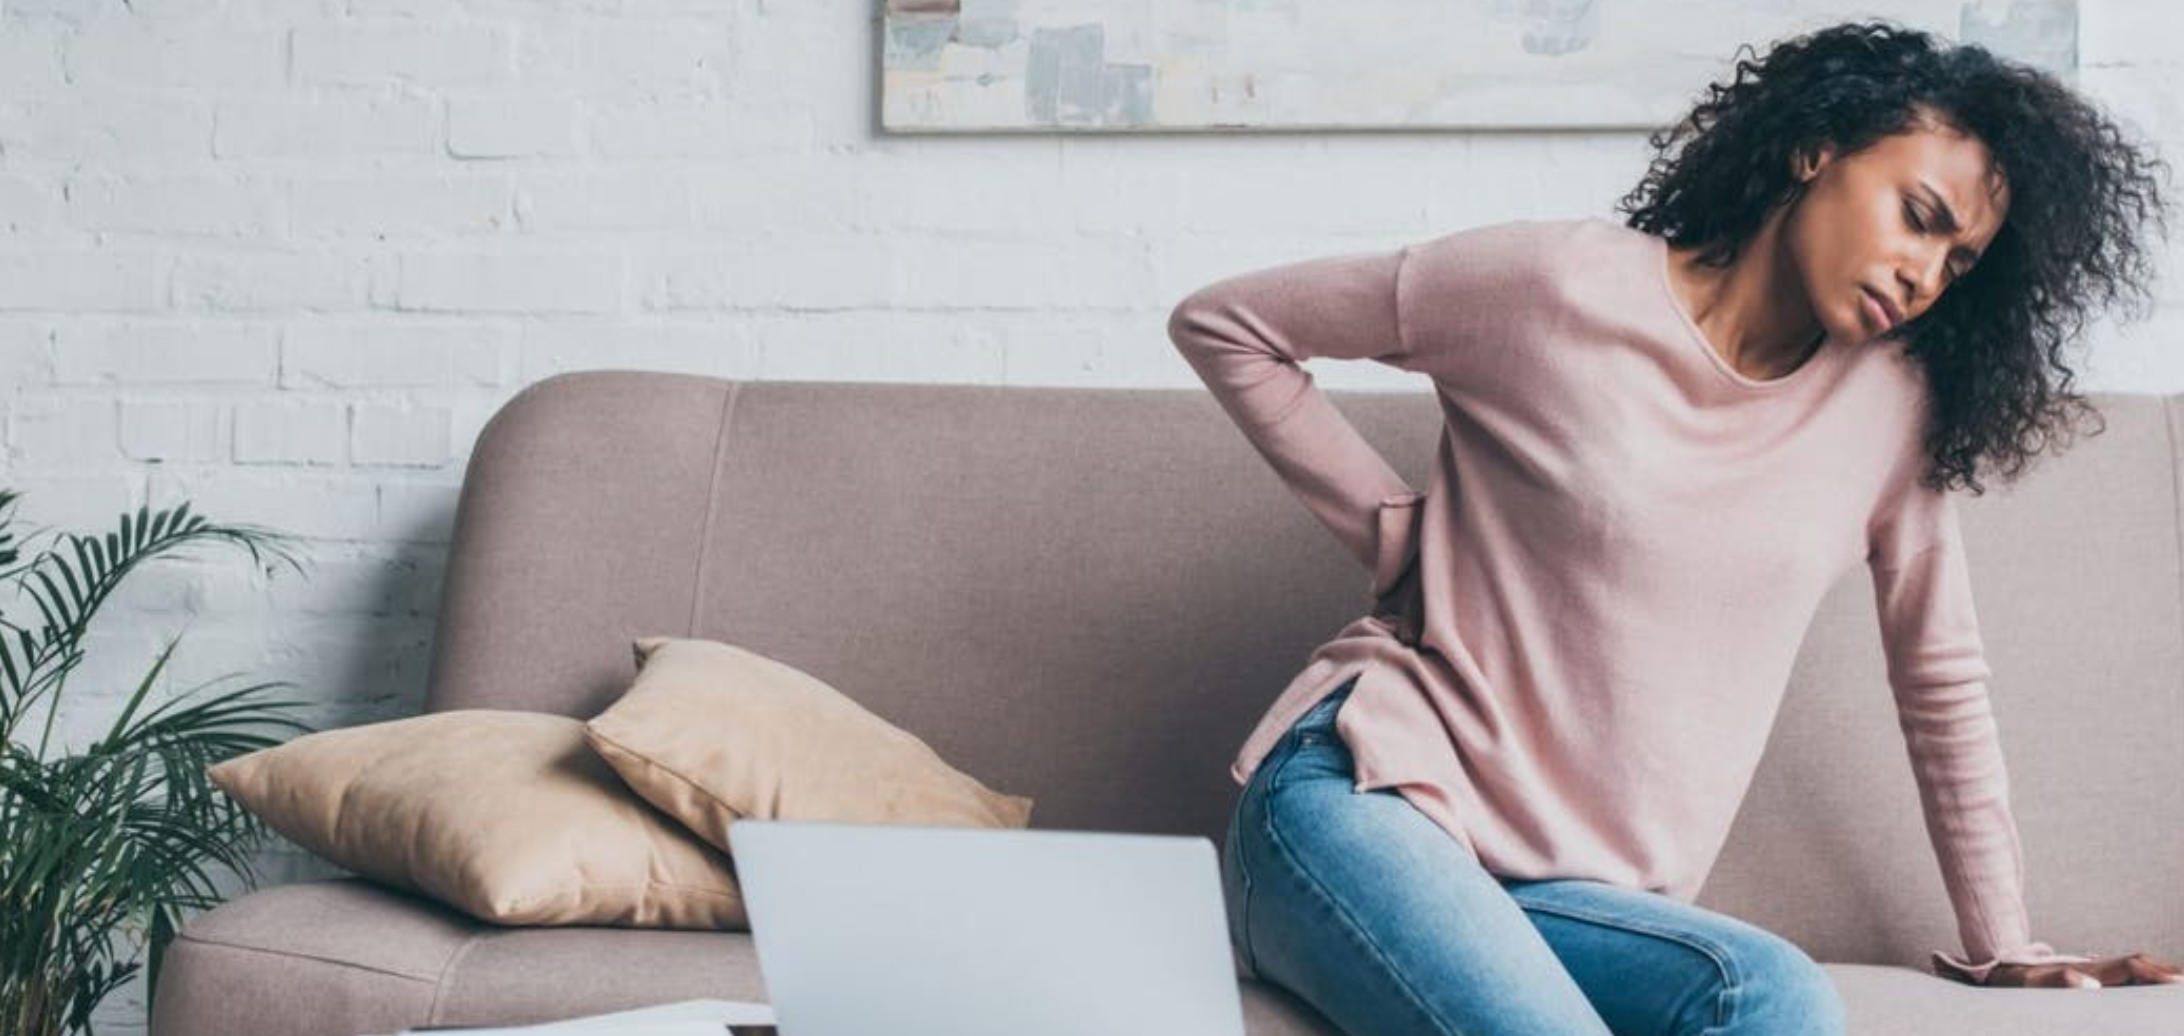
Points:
(1221, 65)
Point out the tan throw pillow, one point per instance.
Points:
(506, 815)
(710, 732)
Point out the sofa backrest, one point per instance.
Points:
(1089, 596)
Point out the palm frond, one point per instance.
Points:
(67, 584)
(110, 844)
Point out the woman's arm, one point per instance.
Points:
(1245, 335)
(1938, 671)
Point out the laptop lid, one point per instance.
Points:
(904, 930)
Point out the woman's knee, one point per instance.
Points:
(1781, 991)
(1715, 975)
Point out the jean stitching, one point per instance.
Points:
(1351, 926)
(1243, 877)
(1243, 874)
(1724, 1008)
(1284, 750)
(1724, 962)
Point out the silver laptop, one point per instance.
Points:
(900, 930)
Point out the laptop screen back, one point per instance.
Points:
(900, 930)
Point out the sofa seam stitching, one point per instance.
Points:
(712, 507)
(2176, 491)
(247, 948)
(439, 984)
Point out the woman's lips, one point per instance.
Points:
(1875, 312)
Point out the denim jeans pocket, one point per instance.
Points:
(1313, 748)
(1317, 725)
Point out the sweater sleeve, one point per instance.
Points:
(1938, 672)
(1245, 336)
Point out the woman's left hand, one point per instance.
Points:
(2128, 970)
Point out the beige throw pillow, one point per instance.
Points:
(506, 815)
(710, 732)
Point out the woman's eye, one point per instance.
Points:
(1912, 214)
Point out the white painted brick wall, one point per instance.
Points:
(172, 53)
(305, 431)
(511, 127)
(64, 278)
(399, 435)
(283, 258)
(427, 54)
(378, 353)
(192, 430)
(28, 207)
(97, 351)
(310, 129)
(412, 206)
(178, 205)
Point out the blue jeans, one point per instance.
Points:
(1364, 908)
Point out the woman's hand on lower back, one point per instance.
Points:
(1402, 605)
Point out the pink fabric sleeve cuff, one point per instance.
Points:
(2031, 953)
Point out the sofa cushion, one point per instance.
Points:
(711, 732)
(507, 815)
(345, 956)
(1885, 1000)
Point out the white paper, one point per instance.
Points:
(704, 1017)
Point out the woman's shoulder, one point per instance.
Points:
(1524, 264)
(1542, 245)
(1495, 282)
(1549, 230)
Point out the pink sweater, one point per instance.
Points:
(1622, 545)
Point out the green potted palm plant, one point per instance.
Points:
(103, 848)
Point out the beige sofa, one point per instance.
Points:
(1089, 595)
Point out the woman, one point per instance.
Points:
(1487, 807)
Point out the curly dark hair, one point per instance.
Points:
(1992, 344)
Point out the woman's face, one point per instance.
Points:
(1881, 233)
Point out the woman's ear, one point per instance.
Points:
(1806, 163)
